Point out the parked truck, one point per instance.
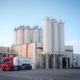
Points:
(15, 63)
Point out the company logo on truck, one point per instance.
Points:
(26, 60)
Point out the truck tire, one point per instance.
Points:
(19, 68)
(11, 69)
(30, 67)
(27, 67)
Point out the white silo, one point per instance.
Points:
(47, 35)
(41, 35)
(61, 36)
(55, 36)
(27, 34)
(20, 35)
(35, 34)
(15, 36)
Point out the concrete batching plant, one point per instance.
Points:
(44, 46)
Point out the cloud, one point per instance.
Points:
(76, 45)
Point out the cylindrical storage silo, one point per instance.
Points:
(20, 35)
(41, 35)
(15, 36)
(47, 35)
(61, 36)
(27, 35)
(55, 36)
(35, 34)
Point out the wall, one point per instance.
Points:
(4, 49)
(20, 50)
(69, 53)
(32, 54)
(76, 60)
(39, 50)
(34, 50)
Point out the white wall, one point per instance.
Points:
(20, 50)
(34, 51)
(76, 59)
(69, 53)
(39, 50)
(32, 54)
(68, 47)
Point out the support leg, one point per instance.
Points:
(54, 61)
(47, 65)
(60, 61)
(40, 62)
(67, 62)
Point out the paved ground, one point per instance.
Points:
(41, 74)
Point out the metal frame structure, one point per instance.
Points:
(56, 60)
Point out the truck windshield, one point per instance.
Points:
(5, 61)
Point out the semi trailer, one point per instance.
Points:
(15, 63)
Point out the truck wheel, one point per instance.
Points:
(27, 68)
(19, 68)
(11, 69)
(30, 67)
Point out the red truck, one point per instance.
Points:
(16, 63)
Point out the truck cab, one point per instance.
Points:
(6, 63)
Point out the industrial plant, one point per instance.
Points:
(45, 46)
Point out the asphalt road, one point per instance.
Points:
(41, 74)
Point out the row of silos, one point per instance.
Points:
(37, 34)
(53, 35)
(24, 34)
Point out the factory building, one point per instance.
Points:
(45, 46)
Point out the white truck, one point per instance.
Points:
(16, 63)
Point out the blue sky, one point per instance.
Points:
(14, 13)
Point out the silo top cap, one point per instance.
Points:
(46, 18)
(18, 28)
(28, 27)
(15, 29)
(53, 19)
(59, 21)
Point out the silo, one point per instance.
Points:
(55, 36)
(47, 35)
(15, 36)
(35, 34)
(41, 35)
(27, 34)
(61, 36)
(20, 35)
(17, 39)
